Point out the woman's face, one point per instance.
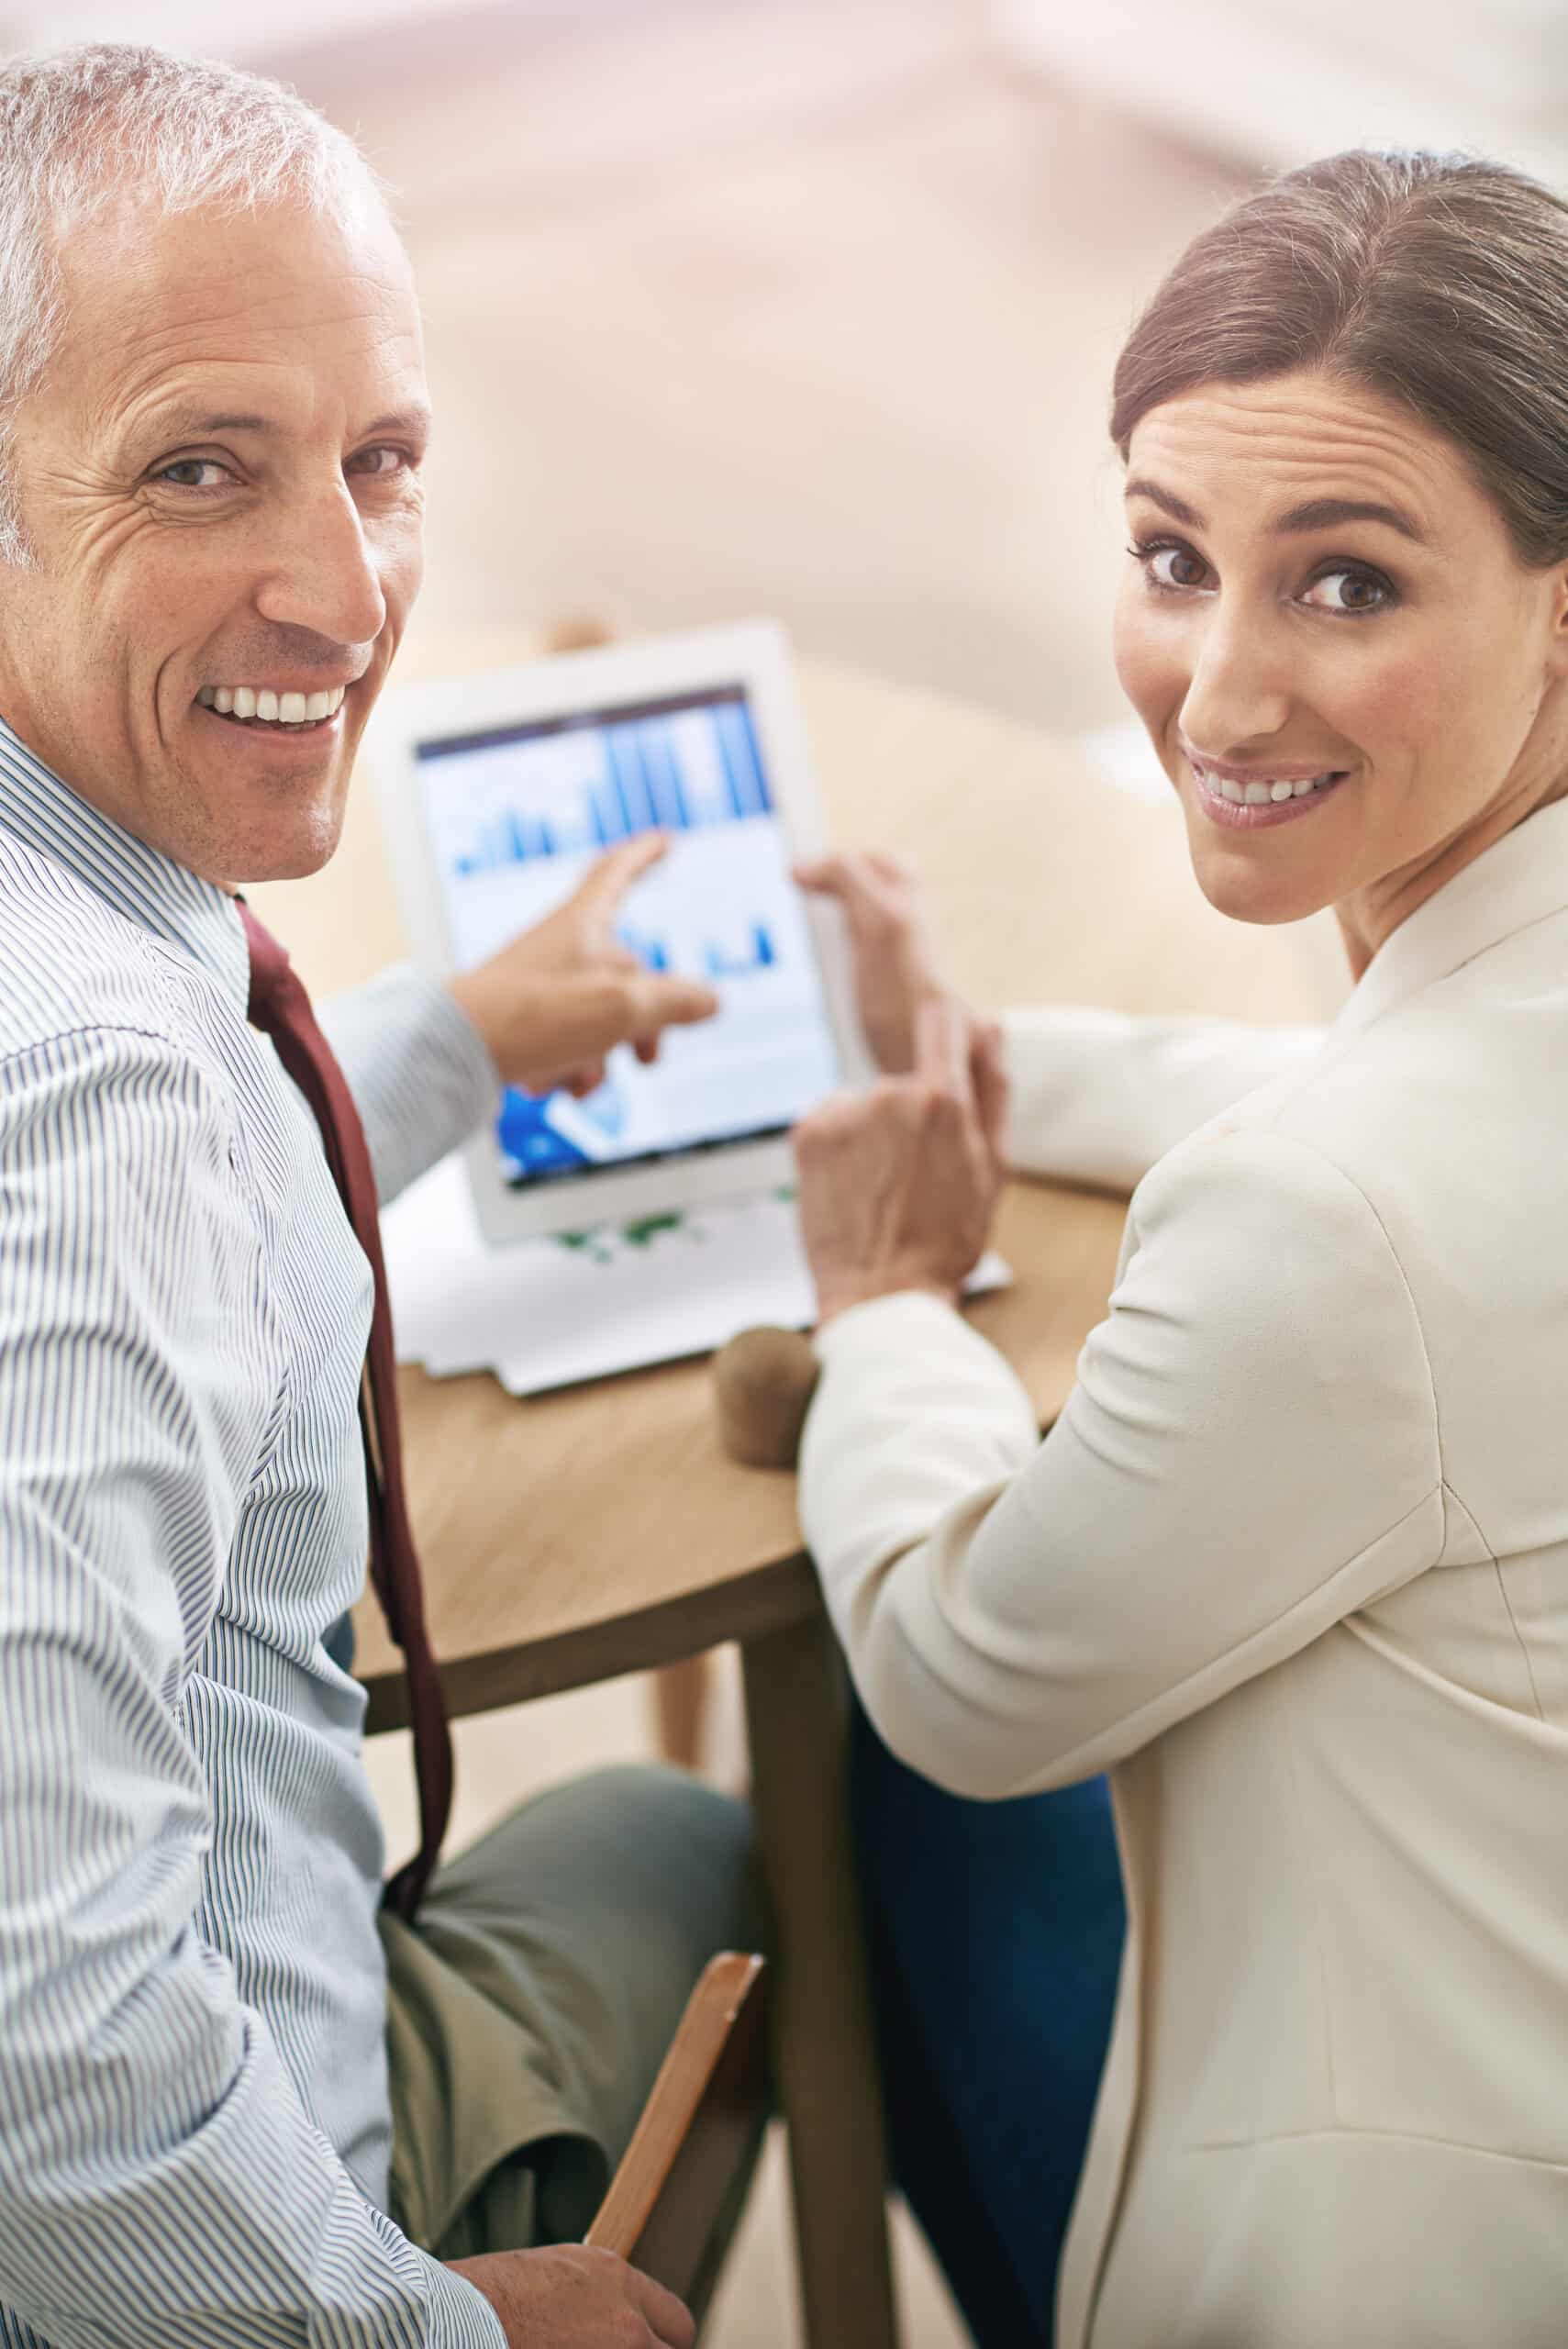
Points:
(1319, 595)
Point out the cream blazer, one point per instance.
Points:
(1292, 1566)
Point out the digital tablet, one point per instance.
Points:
(498, 792)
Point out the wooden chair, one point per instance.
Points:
(673, 2203)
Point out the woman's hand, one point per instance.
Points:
(896, 970)
(554, 1002)
(898, 1186)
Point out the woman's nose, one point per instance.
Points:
(325, 575)
(1239, 691)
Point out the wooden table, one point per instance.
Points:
(588, 1533)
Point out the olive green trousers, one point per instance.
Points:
(531, 2004)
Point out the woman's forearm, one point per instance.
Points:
(1099, 1096)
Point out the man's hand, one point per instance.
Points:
(567, 2298)
(897, 1189)
(895, 967)
(554, 1002)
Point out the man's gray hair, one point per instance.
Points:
(86, 126)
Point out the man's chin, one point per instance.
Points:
(236, 851)
(298, 865)
(290, 849)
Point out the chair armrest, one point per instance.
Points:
(691, 2150)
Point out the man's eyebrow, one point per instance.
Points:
(200, 424)
(1316, 513)
(415, 419)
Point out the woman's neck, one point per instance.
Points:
(1369, 918)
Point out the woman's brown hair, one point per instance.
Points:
(1439, 281)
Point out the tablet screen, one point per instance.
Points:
(515, 815)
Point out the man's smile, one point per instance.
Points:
(291, 710)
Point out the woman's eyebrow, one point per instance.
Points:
(1328, 513)
(1315, 513)
(1168, 502)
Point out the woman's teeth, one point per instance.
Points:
(272, 709)
(1257, 795)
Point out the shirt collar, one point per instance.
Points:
(1519, 879)
(168, 899)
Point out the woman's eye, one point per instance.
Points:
(1173, 566)
(186, 474)
(1348, 591)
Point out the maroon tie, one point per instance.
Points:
(280, 1009)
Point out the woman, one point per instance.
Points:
(1293, 1565)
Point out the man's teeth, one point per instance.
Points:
(274, 710)
(1257, 795)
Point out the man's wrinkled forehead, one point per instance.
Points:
(281, 312)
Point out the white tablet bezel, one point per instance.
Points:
(753, 654)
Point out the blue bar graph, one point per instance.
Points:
(733, 726)
(625, 753)
(670, 811)
(674, 771)
(653, 953)
(759, 955)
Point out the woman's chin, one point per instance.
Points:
(1243, 889)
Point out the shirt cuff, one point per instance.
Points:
(918, 1347)
(884, 1323)
(459, 2316)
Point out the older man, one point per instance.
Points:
(214, 421)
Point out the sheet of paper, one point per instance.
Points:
(545, 1313)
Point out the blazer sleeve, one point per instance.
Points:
(1250, 1454)
(1099, 1096)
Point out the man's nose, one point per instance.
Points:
(1240, 690)
(323, 573)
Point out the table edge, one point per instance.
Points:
(769, 1598)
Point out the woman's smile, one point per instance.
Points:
(1250, 799)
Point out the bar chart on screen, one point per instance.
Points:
(572, 789)
(517, 819)
(757, 952)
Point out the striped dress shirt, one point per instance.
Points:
(195, 2125)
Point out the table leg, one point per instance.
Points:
(682, 1698)
(824, 2048)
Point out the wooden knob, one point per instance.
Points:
(763, 1381)
(577, 632)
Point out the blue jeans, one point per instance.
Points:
(994, 1934)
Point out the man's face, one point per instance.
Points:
(219, 475)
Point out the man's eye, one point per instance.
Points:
(186, 473)
(380, 462)
(1349, 591)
